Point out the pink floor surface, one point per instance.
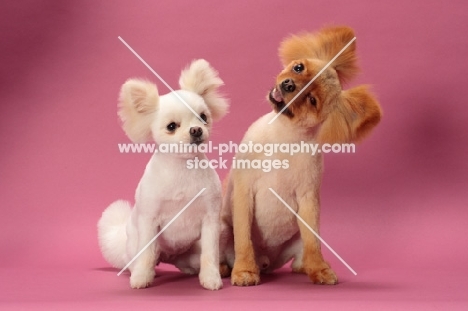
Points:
(396, 210)
(100, 289)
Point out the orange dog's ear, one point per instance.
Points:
(137, 103)
(355, 113)
(324, 45)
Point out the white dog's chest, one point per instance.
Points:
(163, 193)
(182, 231)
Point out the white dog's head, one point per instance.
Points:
(145, 114)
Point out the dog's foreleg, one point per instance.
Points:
(209, 259)
(142, 269)
(313, 264)
(245, 271)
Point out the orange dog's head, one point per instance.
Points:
(343, 115)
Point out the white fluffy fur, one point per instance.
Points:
(137, 102)
(167, 185)
(200, 78)
(112, 237)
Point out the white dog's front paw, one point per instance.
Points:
(211, 279)
(142, 279)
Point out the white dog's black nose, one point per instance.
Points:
(196, 131)
(288, 85)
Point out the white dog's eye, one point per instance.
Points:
(171, 127)
(203, 117)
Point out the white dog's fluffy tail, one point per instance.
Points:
(112, 233)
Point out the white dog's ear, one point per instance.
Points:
(203, 79)
(353, 116)
(138, 102)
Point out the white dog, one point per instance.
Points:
(168, 184)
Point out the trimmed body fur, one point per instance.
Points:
(167, 185)
(266, 235)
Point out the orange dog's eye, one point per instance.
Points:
(298, 68)
(312, 100)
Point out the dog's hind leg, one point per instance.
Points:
(292, 249)
(226, 250)
(188, 262)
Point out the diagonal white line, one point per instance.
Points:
(312, 230)
(160, 232)
(161, 79)
(310, 82)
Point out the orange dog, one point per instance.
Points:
(266, 234)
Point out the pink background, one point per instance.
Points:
(396, 210)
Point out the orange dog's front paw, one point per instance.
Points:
(244, 278)
(324, 276)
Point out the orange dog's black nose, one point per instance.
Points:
(288, 85)
(196, 131)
